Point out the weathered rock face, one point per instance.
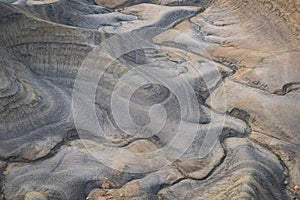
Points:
(168, 99)
(127, 3)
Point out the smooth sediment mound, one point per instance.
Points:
(168, 99)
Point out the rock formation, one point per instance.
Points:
(148, 99)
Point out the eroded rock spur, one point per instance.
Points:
(168, 99)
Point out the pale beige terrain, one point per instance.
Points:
(149, 99)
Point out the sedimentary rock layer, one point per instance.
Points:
(149, 99)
